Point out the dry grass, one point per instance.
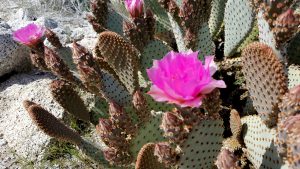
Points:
(41, 6)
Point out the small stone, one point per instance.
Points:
(3, 142)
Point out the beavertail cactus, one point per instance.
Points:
(258, 57)
(64, 93)
(50, 124)
(187, 119)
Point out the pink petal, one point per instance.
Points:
(210, 64)
(158, 94)
(212, 85)
(192, 103)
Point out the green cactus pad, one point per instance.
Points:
(293, 50)
(119, 7)
(114, 22)
(64, 93)
(148, 132)
(216, 16)
(158, 106)
(294, 75)
(265, 34)
(121, 56)
(238, 20)
(159, 13)
(164, 34)
(66, 54)
(155, 50)
(252, 37)
(202, 145)
(205, 44)
(115, 91)
(265, 80)
(178, 33)
(259, 141)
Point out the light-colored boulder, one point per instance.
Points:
(18, 130)
(13, 56)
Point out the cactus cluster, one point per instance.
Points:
(262, 36)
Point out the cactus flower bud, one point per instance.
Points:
(135, 7)
(104, 126)
(120, 118)
(165, 153)
(227, 160)
(171, 119)
(139, 100)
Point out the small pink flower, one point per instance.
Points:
(135, 7)
(29, 35)
(182, 79)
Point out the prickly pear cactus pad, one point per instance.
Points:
(252, 37)
(238, 21)
(114, 90)
(205, 43)
(119, 7)
(265, 34)
(293, 50)
(202, 145)
(50, 125)
(178, 33)
(155, 50)
(266, 80)
(159, 13)
(121, 56)
(114, 22)
(149, 132)
(293, 75)
(216, 16)
(64, 93)
(259, 141)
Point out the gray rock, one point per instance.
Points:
(47, 22)
(3, 142)
(3, 25)
(13, 57)
(62, 35)
(17, 128)
(26, 14)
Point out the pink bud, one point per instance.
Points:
(165, 153)
(171, 119)
(135, 7)
(104, 126)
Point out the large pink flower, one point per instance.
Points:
(182, 79)
(29, 35)
(135, 7)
